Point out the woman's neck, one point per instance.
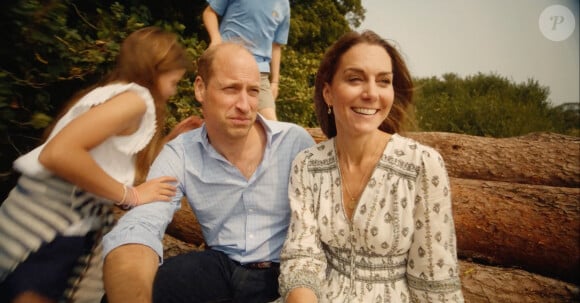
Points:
(356, 150)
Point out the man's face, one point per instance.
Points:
(230, 97)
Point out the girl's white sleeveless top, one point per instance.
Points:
(116, 155)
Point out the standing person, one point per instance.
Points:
(263, 26)
(234, 172)
(371, 209)
(52, 221)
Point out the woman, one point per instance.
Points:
(53, 220)
(371, 209)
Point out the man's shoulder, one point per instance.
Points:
(288, 128)
(187, 137)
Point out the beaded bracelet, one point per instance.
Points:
(130, 198)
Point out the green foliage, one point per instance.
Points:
(297, 87)
(56, 48)
(485, 105)
(316, 24)
(53, 48)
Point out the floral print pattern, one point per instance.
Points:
(400, 244)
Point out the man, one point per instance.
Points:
(234, 171)
(263, 26)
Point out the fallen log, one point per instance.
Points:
(542, 159)
(185, 226)
(528, 226)
(484, 284)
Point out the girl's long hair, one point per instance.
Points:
(144, 55)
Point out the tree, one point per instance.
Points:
(483, 105)
(60, 46)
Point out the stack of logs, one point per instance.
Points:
(516, 210)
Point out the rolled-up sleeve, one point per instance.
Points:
(146, 224)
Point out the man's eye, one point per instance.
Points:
(254, 92)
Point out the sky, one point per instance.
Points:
(515, 39)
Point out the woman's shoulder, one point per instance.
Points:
(410, 145)
(409, 150)
(320, 155)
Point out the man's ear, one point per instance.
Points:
(199, 88)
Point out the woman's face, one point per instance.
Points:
(361, 93)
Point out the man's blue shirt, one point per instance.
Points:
(245, 219)
(257, 23)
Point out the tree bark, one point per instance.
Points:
(484, 284)
(528, 226)
(185, 226)
(542, 158)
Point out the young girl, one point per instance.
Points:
(52, 222)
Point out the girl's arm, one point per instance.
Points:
(67, 153)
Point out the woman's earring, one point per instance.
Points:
(330, 110)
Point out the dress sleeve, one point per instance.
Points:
(432, 269)
(303, 262)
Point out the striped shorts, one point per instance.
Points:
(38, 211)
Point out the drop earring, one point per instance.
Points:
(330, 110)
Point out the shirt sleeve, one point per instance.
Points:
(303, 262)
(219, 6)
(146, 224)
(283, 30)
(432, 269)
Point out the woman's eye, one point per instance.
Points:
(385, 81)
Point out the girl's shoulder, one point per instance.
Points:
(104, 93)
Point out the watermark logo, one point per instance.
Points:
(557, 23)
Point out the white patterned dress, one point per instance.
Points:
(400, 245)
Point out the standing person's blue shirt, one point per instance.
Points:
(263, 27)
(257, 23)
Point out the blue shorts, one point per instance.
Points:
(47, 271)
